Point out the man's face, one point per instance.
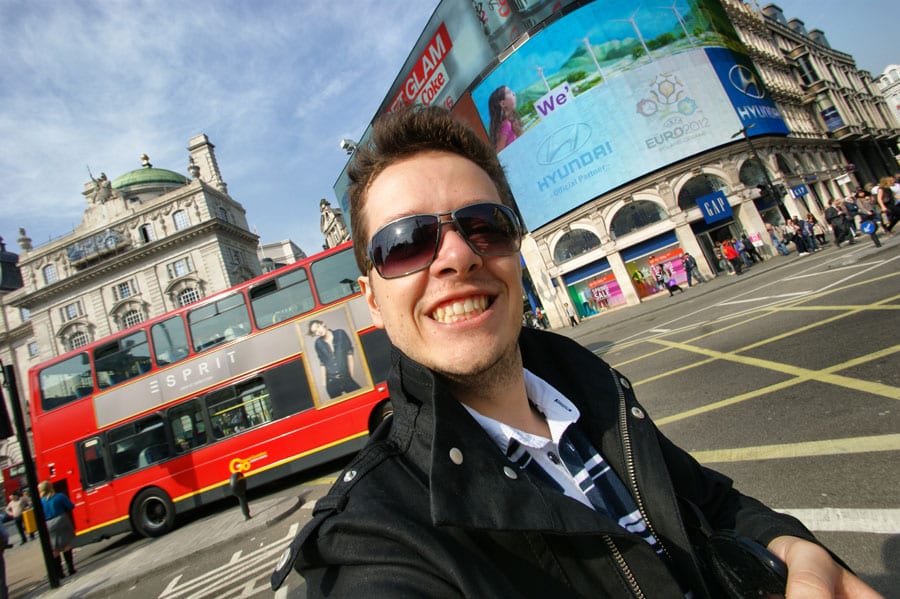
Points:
(463, 313)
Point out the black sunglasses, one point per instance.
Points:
(410, 244)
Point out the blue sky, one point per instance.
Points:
(275, 84)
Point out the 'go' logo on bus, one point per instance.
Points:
(243, 465)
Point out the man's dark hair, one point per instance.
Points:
(404, 134)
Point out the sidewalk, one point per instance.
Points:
(846, 254)
(105, 571)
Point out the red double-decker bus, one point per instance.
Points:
(268, 378)
(13, 479)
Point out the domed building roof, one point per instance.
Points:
(149, 174)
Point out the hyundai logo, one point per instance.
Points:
(563, 143)
(745, 81)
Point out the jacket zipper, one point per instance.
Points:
(623, 566)
(629, 463)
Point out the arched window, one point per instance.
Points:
(76, 340)
(188, 296)
(181, 220)
(223, 214)
(634, 216)
(131, 318)
(751, 173)
(697, 187)
(50, 274)
(574, 243)
(783, 165)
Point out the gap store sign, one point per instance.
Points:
(616, 90)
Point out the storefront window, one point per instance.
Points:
(597, 294)
(649, 274)
(574, 243)
(634, 216)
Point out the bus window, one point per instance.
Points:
(335, 276)
(219, 322)
(188, 427)
(66, 381)
(169, 341)
(138, 444)
(93, 468)
(281, 298)
(122, 359)
(235, 409)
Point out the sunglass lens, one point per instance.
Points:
(489, 228)
(405, 246)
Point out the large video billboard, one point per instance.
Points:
(460, 40)
(605, 94)
(616, 90)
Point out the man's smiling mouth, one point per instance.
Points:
(462, 309)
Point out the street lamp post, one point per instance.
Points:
(770, 187)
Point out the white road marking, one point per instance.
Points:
(225, 581)
(829, 519)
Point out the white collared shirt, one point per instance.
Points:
(560, 413)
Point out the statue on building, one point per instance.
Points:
(103, 190)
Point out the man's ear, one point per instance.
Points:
(374, 310)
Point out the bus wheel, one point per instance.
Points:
(382, 412)
(152, 513)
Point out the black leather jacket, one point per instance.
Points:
(432, 508)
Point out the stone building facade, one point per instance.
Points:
(149, 241)
(889, 84)
(605, 218)
(332, 225)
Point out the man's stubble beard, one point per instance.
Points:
(495, 375)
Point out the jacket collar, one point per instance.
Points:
(471, 483)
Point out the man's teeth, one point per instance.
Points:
(461, 310)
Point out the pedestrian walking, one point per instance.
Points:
(690, 268)
(751, 249)
(817, 229)
(571, 313)
(776, 241)
(838, 221)
(58, 513)
(15, 509)
(732, 256)
(869, 218)
(890, 209)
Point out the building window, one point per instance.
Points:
(188, 296)
(124, 290)
(698, 187)
(180, 218)
(179, 268)
(634, 216)
(146, 233)
(807, 73)
(131, 318)
(24, 314)
(574, 243)
(33, 349)
(50, 274)
(223, 214)
(71, 311)
(76, 340)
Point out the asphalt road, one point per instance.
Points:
(784, 378)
